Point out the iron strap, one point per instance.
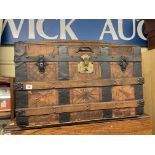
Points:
(64, 58)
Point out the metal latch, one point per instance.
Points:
(123, 63)
(85, 66)
(41, 64)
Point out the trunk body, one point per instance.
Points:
(61, 82)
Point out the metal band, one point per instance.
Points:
(136, 52)
(22, 121)
(65, 58)
(105, 70)
(20, 67)
(138, 91)
(106, 94)
(107, 113)
(20, 72)
(20, 50)
(137, 69)
(139, 110)
(21, 101)
(63, 71)
(63, 67)
(64, 117)
(105, 66)
(106, 74)
(63, 74)
(21, 98)
(64, 96)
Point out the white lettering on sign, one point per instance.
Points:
(111, 30)
(121, 28)
(39, 27)
(139, 30)
(31, 29)
(14, 30)
(67, 28)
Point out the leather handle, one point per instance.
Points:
(85, 49)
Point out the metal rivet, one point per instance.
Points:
(87, 107)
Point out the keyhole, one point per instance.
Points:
(41, 64)
(86, 69)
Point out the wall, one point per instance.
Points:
(7, 61)
(148, 66)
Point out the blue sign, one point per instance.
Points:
(125, 31)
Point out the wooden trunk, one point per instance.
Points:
(59, 82)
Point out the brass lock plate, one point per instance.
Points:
(85, 66)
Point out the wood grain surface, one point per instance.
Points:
(5, 114)
(76, 107)
(148, 64)
(43, 81)
(4, 80)
(135, 126)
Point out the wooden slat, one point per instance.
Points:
(77, 84)
(5, 114)
(4, 80)
(77, 43)
(76, 108)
